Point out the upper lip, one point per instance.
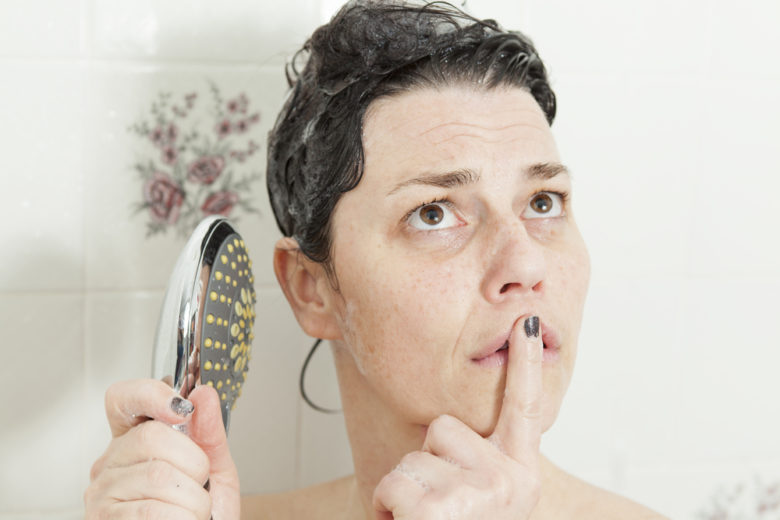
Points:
(549, 337)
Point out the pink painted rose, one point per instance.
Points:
(220, 203)
(157, 136)
(169, 155)
(173, 132)
(206, 169)
(164, 198)
(223, 128)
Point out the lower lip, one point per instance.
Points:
(500, 357)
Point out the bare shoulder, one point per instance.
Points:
(325, 501)
(595, 503)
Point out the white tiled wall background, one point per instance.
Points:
(668, 117)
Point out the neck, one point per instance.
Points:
(379, 438)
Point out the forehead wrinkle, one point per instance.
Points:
(472, 125)
(482, 132)
(484, 139)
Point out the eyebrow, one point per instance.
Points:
(465, 176)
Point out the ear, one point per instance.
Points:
(307, 289)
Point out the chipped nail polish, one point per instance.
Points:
(532, 327)
(182, 407)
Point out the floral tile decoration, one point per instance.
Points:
(745, 501)
(194, 159)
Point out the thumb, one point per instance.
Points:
(208, 432)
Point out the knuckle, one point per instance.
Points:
(94, 493)
(498, 482)
(113, 396)
(413, 458)
(149, 432)
(443, 432)
(202, 465)
(442, 422)
(97, 468)
(148, 511)
(87, 496)
(159, 472)
(533, 408)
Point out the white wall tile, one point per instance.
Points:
(120, 330)
(40, 28)
(325, 451)
(118, 254)
(42, 192)
(744, 40)
(509, 13)
(605, 36)
(731, 353)
(621, 409)
(631, 143)
(41, 395)
(733, 229)
(264, 426)
(688, 491)
(240, 30)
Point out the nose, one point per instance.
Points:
(516, 264)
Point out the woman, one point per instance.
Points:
(429, 235)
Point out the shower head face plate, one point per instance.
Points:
(205, 331)
(227, 324)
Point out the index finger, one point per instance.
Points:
(129, 403)
(519, 428)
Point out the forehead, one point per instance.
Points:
(453, 127)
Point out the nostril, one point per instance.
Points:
(507, 286)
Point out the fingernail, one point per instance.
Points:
(182, 407)
(532, 327)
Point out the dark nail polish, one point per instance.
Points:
(532, 327)
(181, 406)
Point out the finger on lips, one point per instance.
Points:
(518, 430)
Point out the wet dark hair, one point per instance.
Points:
(373, 49)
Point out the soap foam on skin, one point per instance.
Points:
(351, 338)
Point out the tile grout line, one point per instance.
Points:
(85, 58)
(83, 65)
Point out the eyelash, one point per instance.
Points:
(564, 195)
(440, 200)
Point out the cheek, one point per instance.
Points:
(400, 311)
(571, 264)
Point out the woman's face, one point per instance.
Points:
(459, 226)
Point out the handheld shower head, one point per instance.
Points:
(205, 331)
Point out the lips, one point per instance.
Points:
(496, 352)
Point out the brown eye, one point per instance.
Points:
(545, 205)
(431, 214)
(542, 203)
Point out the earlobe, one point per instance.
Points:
(301, 281)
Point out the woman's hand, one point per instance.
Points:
(151, 470)
(459, 474)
